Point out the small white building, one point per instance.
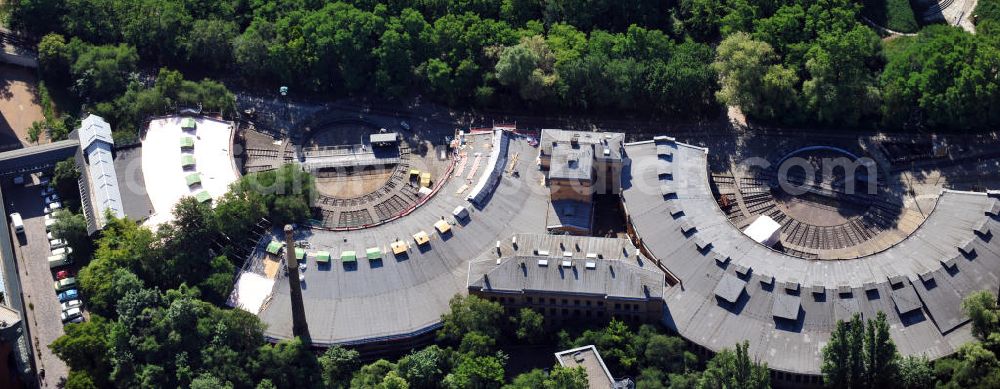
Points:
(764, 230)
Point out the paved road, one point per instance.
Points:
(43, 310)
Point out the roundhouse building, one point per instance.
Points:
(732, 288)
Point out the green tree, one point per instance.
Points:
(981, 307)
(372, 375)
(468, 314)
(915, 372)
(751, 77)
(842, 87)
(337, 364)
(558, 378)
(943, 78)
(530, 325)
(881, 359)
(101, 73)
(80, 380)
(65, 180)
(84, 348)
(652, 378)
(735, 369)
(54, 59)
(528, 67)
(477, 372)
(209, 43)
(72, 227)
(35, 131)
(424, 368)
(289, 364)
(668, 354)
(286, 192)
(973, 366)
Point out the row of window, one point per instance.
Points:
(576, 302)
(797, 378)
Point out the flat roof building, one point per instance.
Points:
(101, 194)
(580, 164)
(598, 375)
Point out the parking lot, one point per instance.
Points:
(32, 251)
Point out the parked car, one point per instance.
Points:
(62, 250)
(71, 304)
(47, 191)
(59, 261)
(68, 295)
(51, 207)
(49, 222)
(71, 314)
(15, 218)
(78, 319)
(56, 243)
(404, 125)
(50, 236)
(51, 198)
(64, 284)
(62, 274)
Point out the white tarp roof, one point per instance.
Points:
(764, 230)
(250, 292)
(165, 178)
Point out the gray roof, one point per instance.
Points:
(587, 357)
(569, 213)
(906, 299)
(93, 128)
(132, 184)
(612, 141)
(404, 296)
(862, 284)
(786, 306)
(730, 288)
(600, 277)
(36, 158)
(573, 163)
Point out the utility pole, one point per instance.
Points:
(299, 327)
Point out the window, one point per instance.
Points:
(565, 312)
(618, 306)
(552, 311)
(588, 303)
(600, 303)
(587, 313)
(600, 313)
(635, 307)
(552, 301)
(528, 299)
(576, 302)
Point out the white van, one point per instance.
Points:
(49, 223)
(58, 261)
(18, 222)
(62, 251)
(57, 243)
(71, 314)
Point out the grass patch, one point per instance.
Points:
(896, 15)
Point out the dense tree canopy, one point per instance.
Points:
(808, 62)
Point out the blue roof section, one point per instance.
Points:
(93, 128)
